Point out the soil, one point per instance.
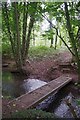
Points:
(46, 69)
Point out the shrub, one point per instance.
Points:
(33, 114)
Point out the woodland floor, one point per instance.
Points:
(46, 69)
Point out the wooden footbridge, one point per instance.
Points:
(33, 98)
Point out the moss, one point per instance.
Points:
(33, 114)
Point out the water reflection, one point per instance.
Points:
(11, 85)
(14, 85)
(32, 84)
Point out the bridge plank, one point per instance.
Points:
(31, 99)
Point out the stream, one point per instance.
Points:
(14, 85)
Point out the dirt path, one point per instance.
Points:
(48, 69)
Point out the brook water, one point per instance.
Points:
(14, 85)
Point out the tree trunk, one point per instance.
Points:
(78, 39)
(5, 14)
(73, 41)
(29, 34)
(56, 39)
(32, 20)
(51, 43)
(6, 17)
(19, 60)
(51, 35)
(25, 16)
(33, 38)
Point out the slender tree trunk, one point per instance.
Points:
(59, 35)
(31, 23)
(14, 30)
(56, 39)
(78, 39)
(60, 42)
(29, 34)
(51, 43)
(7, 23)
(19, 60)
(33, 38)
(51, 35)
(25, 16)
(5, 14)
(73, 41)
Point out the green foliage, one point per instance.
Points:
(7, 76)
(49, 34)
(56, 14)
(78, 101)
(6, 48)
(33, 114)
(40, 52)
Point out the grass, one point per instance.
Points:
(33, 114)
(35, 52)
(40, 52)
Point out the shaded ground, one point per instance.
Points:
(46, 69)
(51, 68)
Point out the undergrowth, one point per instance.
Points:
(33, 114)
(40, 52)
